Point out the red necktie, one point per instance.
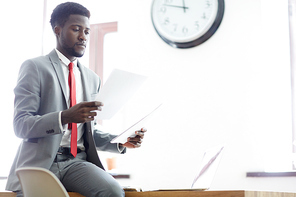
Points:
(73, 126)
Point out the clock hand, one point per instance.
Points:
(184, 6)
(176, 6)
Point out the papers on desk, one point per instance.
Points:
(117, 90)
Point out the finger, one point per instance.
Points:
(143, 129)
(135, 140)
(92, 114)
(131, 145)
(89, 110)
(99, 104)
(88, 119)
(135, 145)
(99, 108)
(93, 108)
(140, 134)
(92, 104)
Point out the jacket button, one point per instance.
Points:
(50, 131)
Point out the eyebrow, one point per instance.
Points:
(81, 26)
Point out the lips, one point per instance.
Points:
(80, 45)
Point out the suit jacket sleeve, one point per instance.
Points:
(29, 122)
(102, 141)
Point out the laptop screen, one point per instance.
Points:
(208, 168)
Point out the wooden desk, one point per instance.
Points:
(239, 193)
(11, 194)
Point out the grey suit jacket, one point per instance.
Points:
(39, 97)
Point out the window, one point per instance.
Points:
(292, 25)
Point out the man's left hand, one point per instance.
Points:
(135, 142)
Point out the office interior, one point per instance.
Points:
(234, 89)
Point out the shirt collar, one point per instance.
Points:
(64, 59)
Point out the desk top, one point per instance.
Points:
(238, 193)
(233, 193)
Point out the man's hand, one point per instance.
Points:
(135, 142)
(81, 112)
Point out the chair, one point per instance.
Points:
(40, 182)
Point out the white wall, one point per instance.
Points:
(232, 89)
(21, 38)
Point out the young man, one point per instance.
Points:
(45, 116)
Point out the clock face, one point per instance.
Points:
(181, 23)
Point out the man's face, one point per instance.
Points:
(73, 37)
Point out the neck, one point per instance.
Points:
(71, 58)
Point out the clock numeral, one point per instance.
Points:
(163, 9)
(204, 16)
(175, 27)
(185, 30)
(208, 4)
(166, 21)
(196, 24)
(168, 1)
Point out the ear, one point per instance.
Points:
(57, 30)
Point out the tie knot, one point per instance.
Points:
(71, 65)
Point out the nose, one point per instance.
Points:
(83, 37)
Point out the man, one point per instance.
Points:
(45, 117)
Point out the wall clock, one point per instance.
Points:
(186, 23)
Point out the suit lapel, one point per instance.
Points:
(59, 72)
(84, 78)
(92, 155)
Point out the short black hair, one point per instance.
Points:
(62, 12)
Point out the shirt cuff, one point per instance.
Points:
(60, 122)
(120, 148)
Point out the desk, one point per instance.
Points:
(12, 194)
(238, 193)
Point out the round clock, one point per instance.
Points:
(186, 23)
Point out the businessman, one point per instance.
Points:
(54, 112)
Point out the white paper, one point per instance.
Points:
(118, 89)
(130, 132)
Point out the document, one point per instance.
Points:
(117, 90)
(130, 132)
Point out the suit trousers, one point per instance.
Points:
(79, 175)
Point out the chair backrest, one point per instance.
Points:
(37, 182)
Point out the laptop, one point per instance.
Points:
(207, 170)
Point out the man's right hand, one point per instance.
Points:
(81, 112)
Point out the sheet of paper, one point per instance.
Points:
(130, 132)
(117, 90)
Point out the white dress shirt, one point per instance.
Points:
(79, 98)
